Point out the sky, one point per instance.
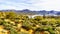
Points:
(30, 4)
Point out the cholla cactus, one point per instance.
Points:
(46, 32)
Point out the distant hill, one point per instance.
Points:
(29, 12)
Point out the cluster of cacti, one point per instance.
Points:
(12, 23)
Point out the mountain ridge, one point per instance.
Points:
(42, 12)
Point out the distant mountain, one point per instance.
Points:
(26, 11)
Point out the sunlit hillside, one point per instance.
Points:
(12, 23)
